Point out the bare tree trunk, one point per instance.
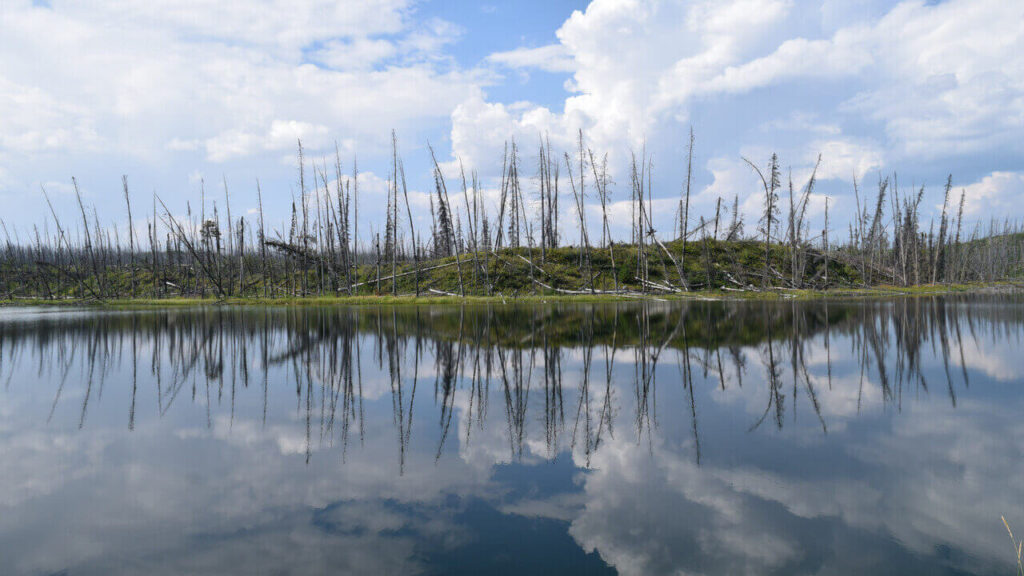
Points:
(412, 229)
(131, 235)
(444, 188)
(686, 210)
(771, 184)
(263, 239)
(601, 183)
(227, 206)
(824, 239)
(584, 243)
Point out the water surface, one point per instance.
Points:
(880, 437)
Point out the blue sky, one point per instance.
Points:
(173, 93)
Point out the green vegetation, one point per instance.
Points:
(542, 297)
(511, 274)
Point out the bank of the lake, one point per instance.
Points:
(445, 299)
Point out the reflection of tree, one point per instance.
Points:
(321, 351)
(517, 393)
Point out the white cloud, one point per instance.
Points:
(734, 181)
(274, 23)
(181, 145)
(428, 39)
(230, 79)
(35, 121)
(998, 194)
(873, 86)
(282, 135)
(550, 58)
(661, 53)
(843, 55)
(939, 80)
(481, 129)
(845, 159)
(802, 121)
(356, 54)
(950, 76)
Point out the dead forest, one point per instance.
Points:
(515, 246)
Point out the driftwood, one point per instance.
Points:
(417, 271)
(651, 284)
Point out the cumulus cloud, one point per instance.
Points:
(950, 76)
(228, 79)
(997, 194)
(661, 53)
(358, 53)
(846, 159)
(281, 135)
(33, 120)
(550, 58)
(900, 83)
(843, 55)
(873, 86)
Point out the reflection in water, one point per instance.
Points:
(648, 437)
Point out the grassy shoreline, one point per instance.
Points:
(881, 291)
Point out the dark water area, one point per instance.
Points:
(861, 437)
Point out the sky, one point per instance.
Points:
(177, 95)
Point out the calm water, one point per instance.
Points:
(880, 437)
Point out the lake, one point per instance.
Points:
(784, 437)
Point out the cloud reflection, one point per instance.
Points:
(384, 441)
